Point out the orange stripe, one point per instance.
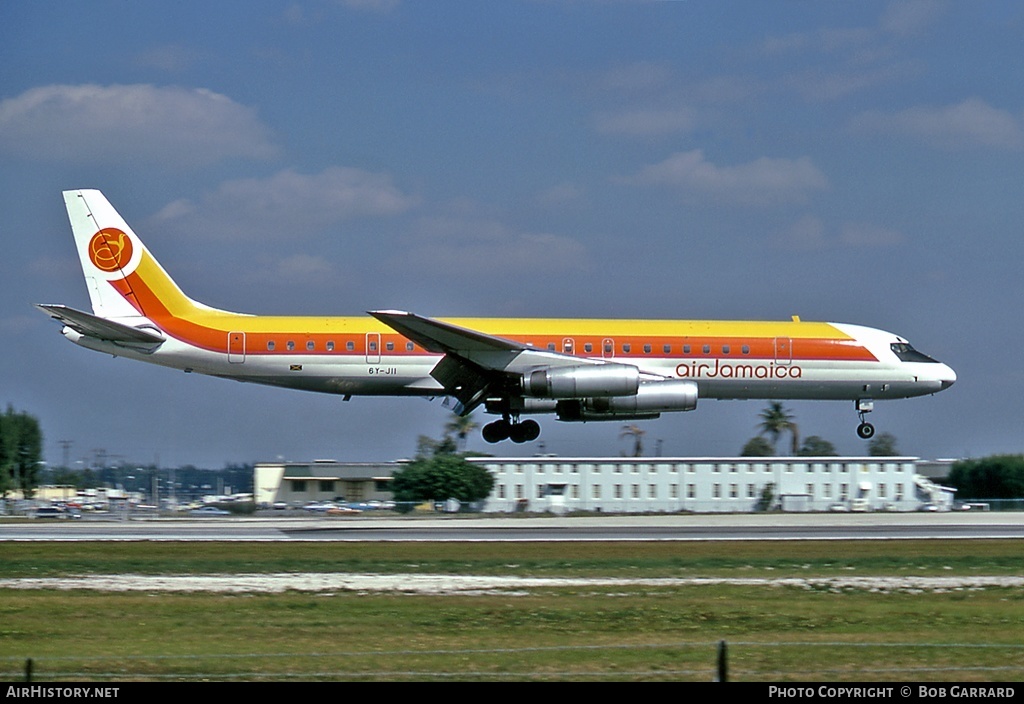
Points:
(211, 328)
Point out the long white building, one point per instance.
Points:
(709, 484)
(641, 484)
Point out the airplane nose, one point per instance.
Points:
(947, 378)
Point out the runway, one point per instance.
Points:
(704, 527)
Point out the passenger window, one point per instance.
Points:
(350, 346)
(725, 349)
(310, 345)
(551, 346)
(390, 346)
(408, 347)
(588, 348)
(290, 345)
(667, 349)
(627, 348)
(746, 349)
(707, 349)
(270, 345)
(330, 345)
(647, 349)
(686, 349)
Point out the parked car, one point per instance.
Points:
(342, 511)
(209, 511)
(49, 512)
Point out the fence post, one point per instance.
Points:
(723, 670)
(28, 670)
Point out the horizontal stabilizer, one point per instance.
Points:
(100, 328)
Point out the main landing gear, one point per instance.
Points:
(509, 429)
(865, 431)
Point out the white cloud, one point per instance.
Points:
(288, 205)
(763, 181)
(130, 123)
(646, 122)
(468, 248)
(970, 123)
(810, 234)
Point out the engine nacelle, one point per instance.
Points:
(597, 380)
(652, 399)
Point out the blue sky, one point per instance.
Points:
(849, 162)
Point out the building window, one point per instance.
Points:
(298, 486)
(597, 491)
(327, 485)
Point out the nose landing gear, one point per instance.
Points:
(865, 431)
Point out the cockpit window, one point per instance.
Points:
(906, 353)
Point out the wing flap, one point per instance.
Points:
(99, 328)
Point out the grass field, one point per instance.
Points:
(633, 632)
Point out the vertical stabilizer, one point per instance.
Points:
(122, 277)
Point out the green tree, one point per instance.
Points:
(441, 477)
(776, 421)
(883, 445)
(767, 498)
(21, 452)
(439, 472)
(757, 446)
(995, 477)
(815, 446)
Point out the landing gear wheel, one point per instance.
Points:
(504, 429)
(497, 431)
(527, 431)
(865, 431)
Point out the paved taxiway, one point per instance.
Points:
(864, 526)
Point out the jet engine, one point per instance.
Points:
(651, 400)
(599, 381)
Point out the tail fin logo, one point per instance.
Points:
(110, 250)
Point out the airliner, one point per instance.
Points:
(577, 369)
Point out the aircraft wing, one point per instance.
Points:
(475, 365)
(100, 328)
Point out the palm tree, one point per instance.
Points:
(776, 420)
(637, 432)
(461, 427)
